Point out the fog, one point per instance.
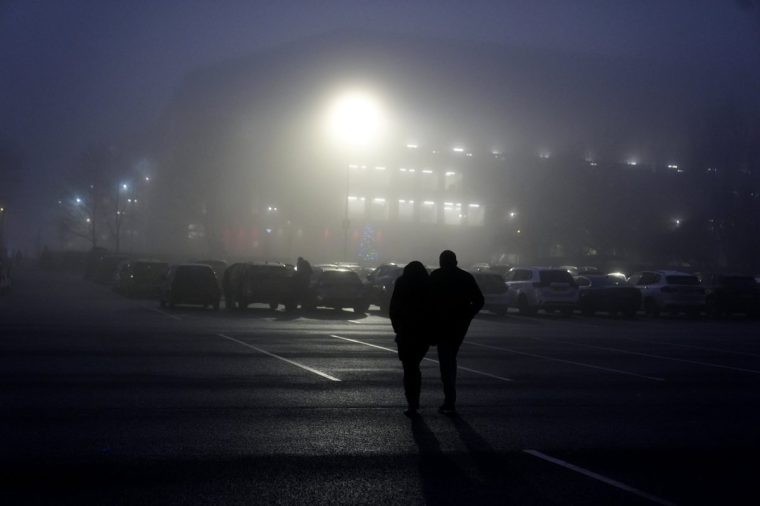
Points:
(510, 153)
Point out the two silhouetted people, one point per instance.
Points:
(437, 310)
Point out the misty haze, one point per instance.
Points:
(236, 240)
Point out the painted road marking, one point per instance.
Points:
(650, 355)
(599, 477)
(474, 371)
(302, 366)
(553, 359)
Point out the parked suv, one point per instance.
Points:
(262, 283)
(546, 288)
(494, 291)
(191, 284)
(670, 291)
(338, 288)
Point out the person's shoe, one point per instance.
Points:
(447, 410)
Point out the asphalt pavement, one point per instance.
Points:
(111, 400)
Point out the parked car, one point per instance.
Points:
(219, 266)
(140, 277)
(249, 283)
(337, 288)
(380, 283)
(494, 291)
(608, 294)
(726, 294)
(670, 291)
(193, 284)
(545, 288)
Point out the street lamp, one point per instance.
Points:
(355, 122)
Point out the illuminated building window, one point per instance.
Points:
(452, 213)
(428, 212)
(405, 210)
(476, 215)
(428, 181)
(379, 209)
(380, 178)
(452, 181)
(356, 207)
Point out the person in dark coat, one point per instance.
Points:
(456, 299)
(410, 317)
(301, 280)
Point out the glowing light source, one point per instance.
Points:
(458, 150)
(356, 119)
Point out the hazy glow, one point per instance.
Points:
(356, 119)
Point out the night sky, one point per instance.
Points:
(76, 73)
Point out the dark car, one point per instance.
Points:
(494, 291)
(247, 283)
(380, 283)
(731, 293)
(140, 278)
(337, 288)
(607, 294)
(192, 284)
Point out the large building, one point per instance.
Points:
(500, 154)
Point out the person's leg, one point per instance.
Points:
(412, 383)
(447, 359)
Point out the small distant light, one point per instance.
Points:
(379, 200)
(402, 201)
(428, 203)
(88, 220)
(544, 155)
(268, 230)
(475, 206)
(78, 200)
(512, 214)
(134, 200)
(632, 163)
(672, 166)
(412, 170)
(451, 173)
(379, 168)
(495, 153)
(458, 150)
(469, 155)
(92, 186)
(412, 146)
(519, 231)
(427, 171)
(124, 186)
(60, 202)
(448, 204)
(402, 169)
(147, 179)
(351, 198)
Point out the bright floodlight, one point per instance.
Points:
(356, 119)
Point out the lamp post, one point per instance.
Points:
(125, 187)
(355, 122)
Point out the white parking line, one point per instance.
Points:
(599, 477)
(305, 367)
(163, 312)
(474, 371)
(650, 355)
(693, 347)
(553, 359)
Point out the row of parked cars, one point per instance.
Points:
(345, 285)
